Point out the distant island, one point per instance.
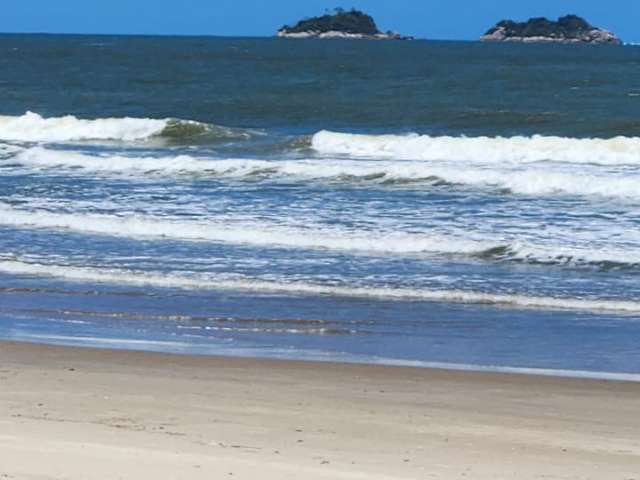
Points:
(340, 23)
(568, 29)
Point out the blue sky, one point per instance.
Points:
(436, 19)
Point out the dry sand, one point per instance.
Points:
(70, 413)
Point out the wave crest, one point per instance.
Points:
(259, 234)
(32, 127)
(248, 284)
(614, 151)
(534, 181)
(376, 242)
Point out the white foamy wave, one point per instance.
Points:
(615, 151)
(244, 233)
(46, 158)
(247, 284)
(32, 127)
(532, 180)
(524, 181)
(8, 150)
(321, 237)
(538, 182)
(39, 157)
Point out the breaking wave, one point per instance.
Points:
(242, 283)
(7, 150)
(32, 127)
(46, 158)
(614, 151)
(270, 235)
(255, 234)
(523, 181)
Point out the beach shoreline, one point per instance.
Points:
(94, 413)
(184, 349)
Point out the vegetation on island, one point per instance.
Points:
(568, 29)
(348, 23)
(340, 20)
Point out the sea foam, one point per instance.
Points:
(257, 285)
(614, 151)
(375, 242)
(47, 158)
(32, 127)
(533, 180)
(259, 234)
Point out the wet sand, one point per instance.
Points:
(69, 413)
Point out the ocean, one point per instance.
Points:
(406, 203)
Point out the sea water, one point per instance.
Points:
(417, 203)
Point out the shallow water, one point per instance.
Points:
(458, 203)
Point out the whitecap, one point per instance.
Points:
(32, 127)
(375, 242)
(531, 180)
(257, 285)
(614, 151)
(259, 234)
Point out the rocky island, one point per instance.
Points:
(352, 24)
(568, 29)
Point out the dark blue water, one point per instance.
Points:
(398, 202)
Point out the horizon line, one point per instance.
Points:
(209, 35)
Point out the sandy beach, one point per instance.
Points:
(71, 413)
